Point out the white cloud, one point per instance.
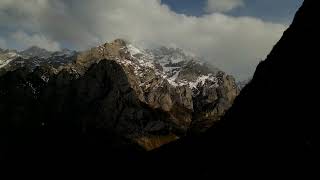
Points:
(235, 44)
(223, 5)
(26, 40)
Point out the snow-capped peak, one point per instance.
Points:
(172, 64)
(182, 69)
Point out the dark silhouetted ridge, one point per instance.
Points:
(273, 123)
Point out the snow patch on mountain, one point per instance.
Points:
(167, 64)
(133, 50)
(4, 62)
(203, 79)
(6, 57)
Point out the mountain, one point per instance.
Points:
(272, 127)
(143, 97)
(33, 57)
(193, 93)
(6, 56)
(35, 51)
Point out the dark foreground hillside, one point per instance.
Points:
(273, 124)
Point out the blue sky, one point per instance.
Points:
(281, 11)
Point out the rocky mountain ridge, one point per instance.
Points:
(168, 78)
(34, 57)
(150, 97)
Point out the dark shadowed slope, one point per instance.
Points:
(274, 121)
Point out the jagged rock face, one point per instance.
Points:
(101, 99)
(212, 103)
(149, 97)
(148, 86)
(105, 95)
(172, 80)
